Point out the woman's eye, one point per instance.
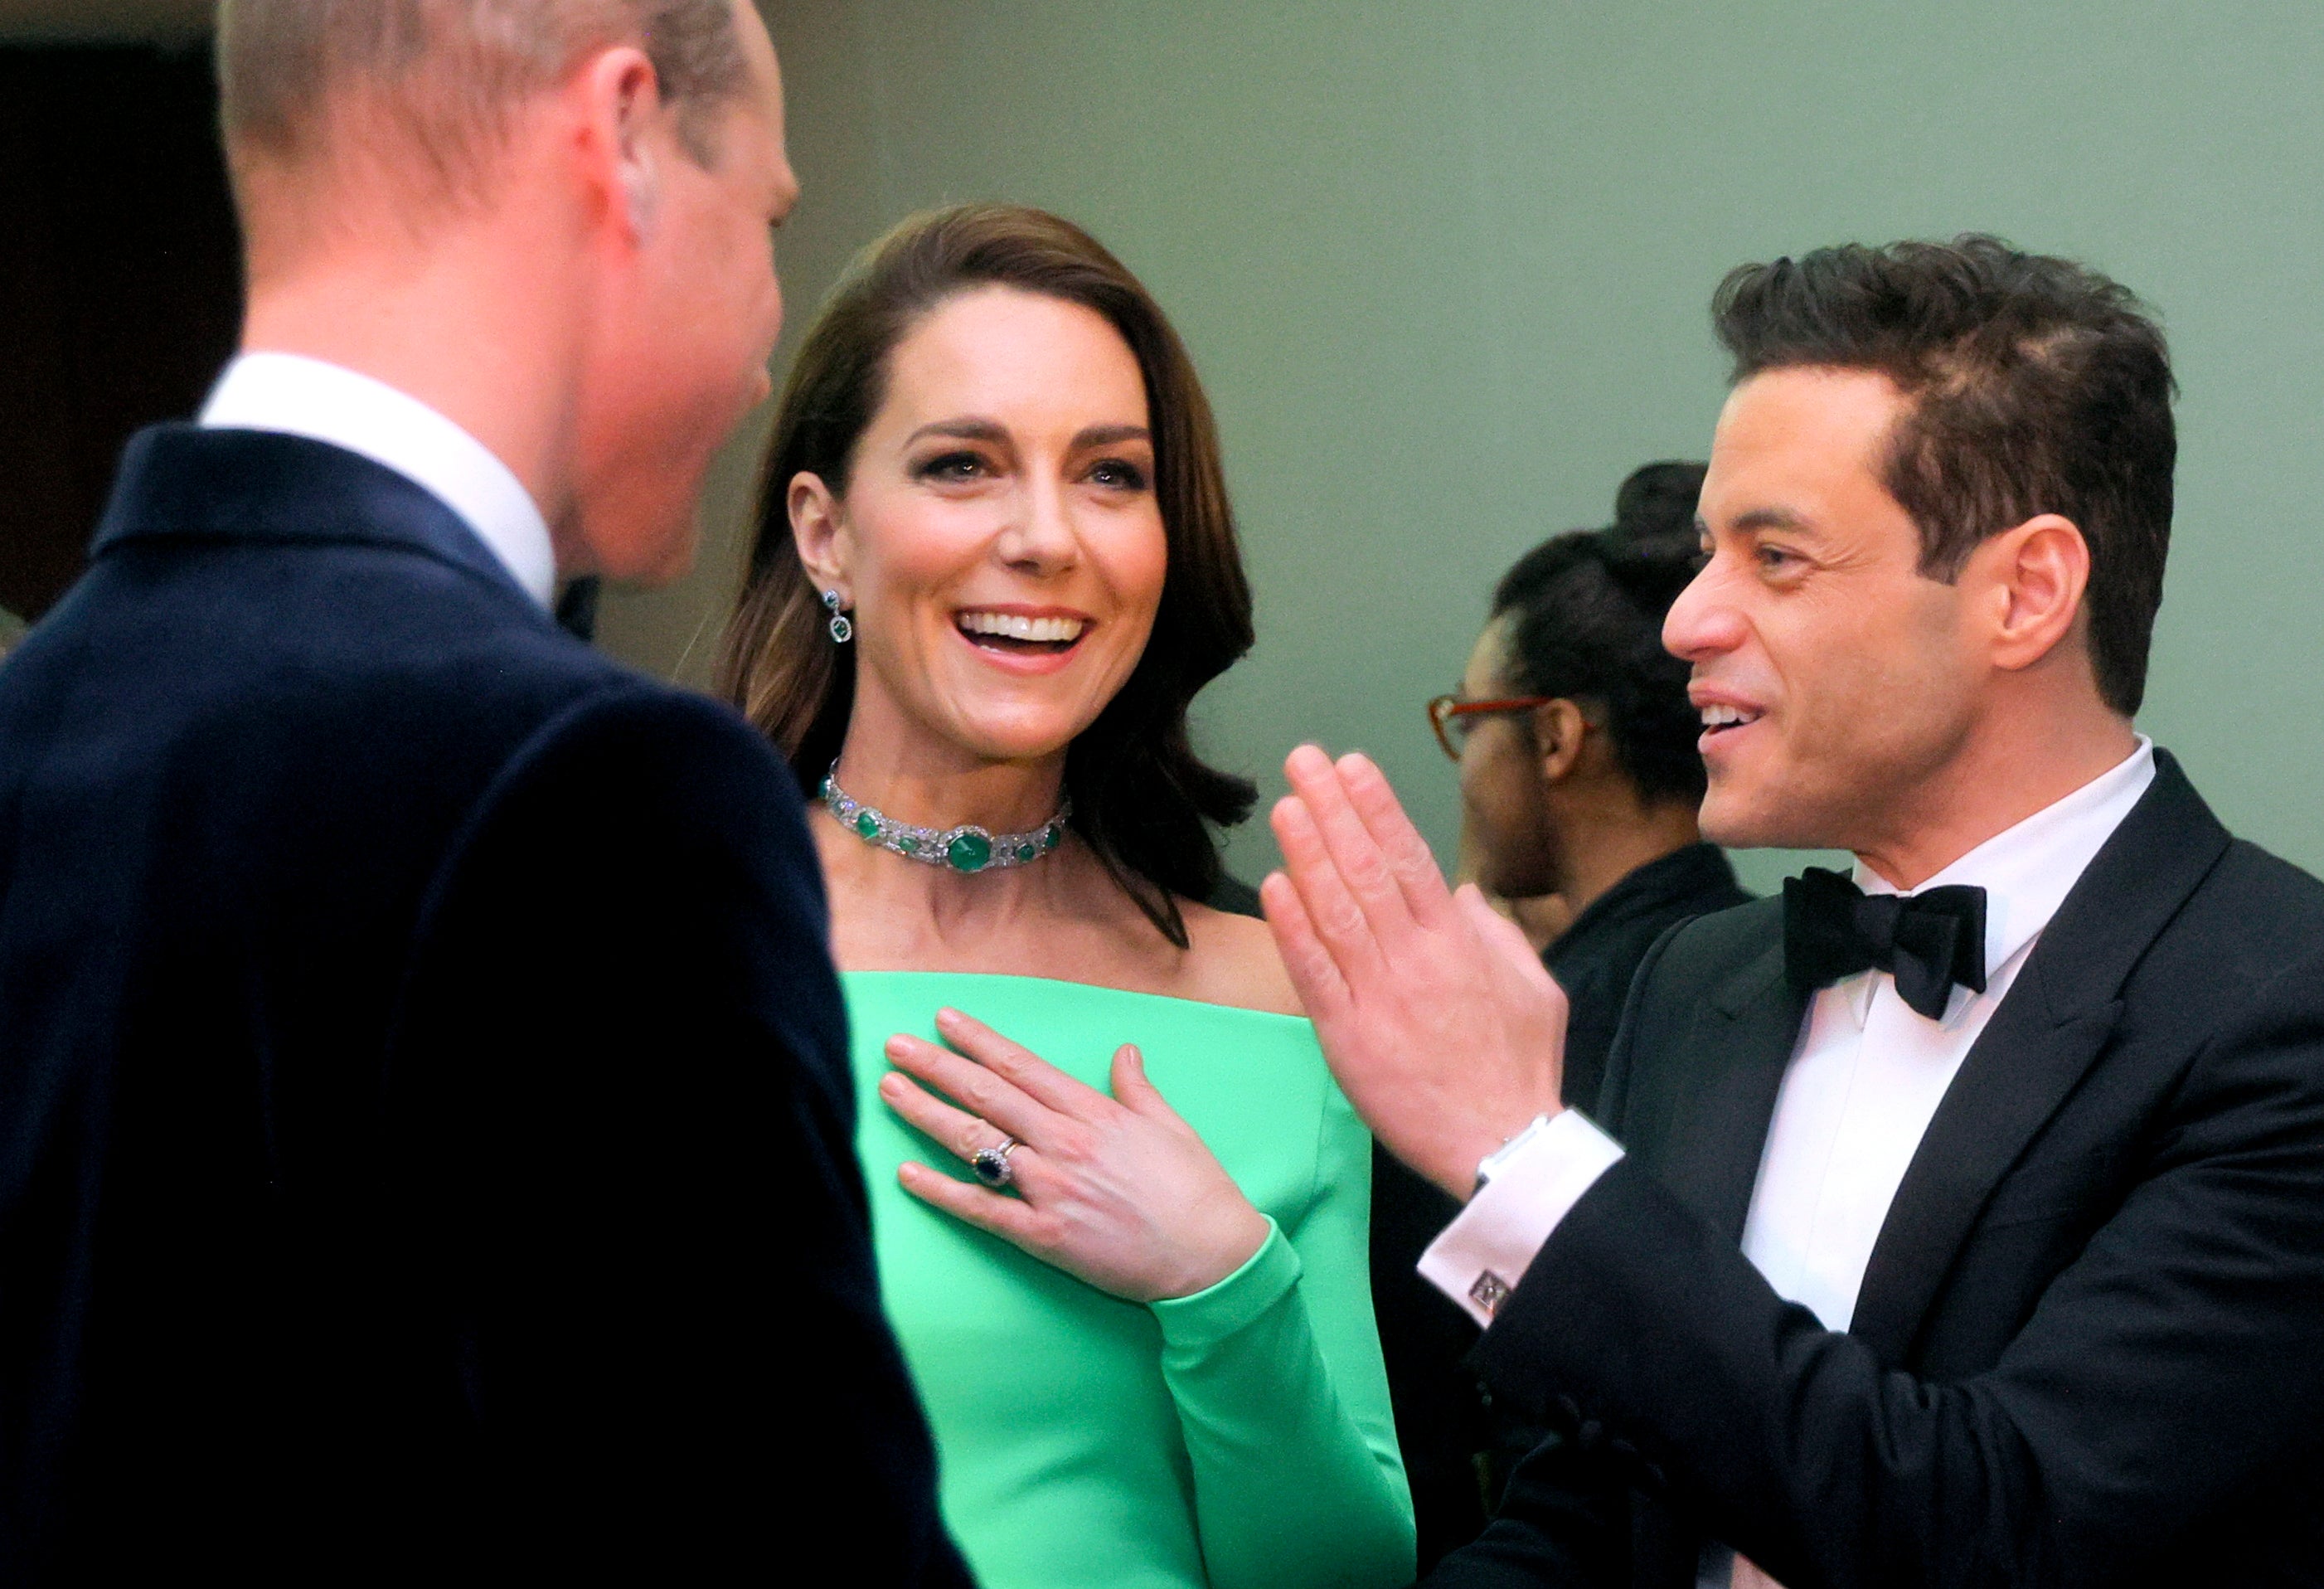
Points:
(1119, 475)
(951, 466)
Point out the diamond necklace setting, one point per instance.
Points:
(965, 849)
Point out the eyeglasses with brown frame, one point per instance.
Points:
(1452, 717)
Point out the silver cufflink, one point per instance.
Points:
(1489, 1292)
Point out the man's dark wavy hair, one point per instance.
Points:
(2037, 385)
(1585, 611)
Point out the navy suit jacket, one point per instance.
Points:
(424, 1127)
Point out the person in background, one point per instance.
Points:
(1587, 788)
(995, 564)
(424, 1137)
(1579, 783)
(1540, 917)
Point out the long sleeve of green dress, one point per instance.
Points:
(1283, 1399)
(1235, 1438)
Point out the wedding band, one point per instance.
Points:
(991, 1164)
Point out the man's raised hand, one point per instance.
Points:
(1441, 1023)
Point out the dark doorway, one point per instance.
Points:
(120, 284)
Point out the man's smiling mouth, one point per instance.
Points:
(1721, 717)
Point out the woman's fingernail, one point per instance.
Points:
(892, 1085)
(898, 1046)
(947, 1018)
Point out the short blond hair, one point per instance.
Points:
(450, 70)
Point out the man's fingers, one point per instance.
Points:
(1314, 977)
(1356, 854)
(1409, 860)
(1338, 922)
(1017, 1064)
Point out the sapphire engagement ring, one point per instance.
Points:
(991, 1164)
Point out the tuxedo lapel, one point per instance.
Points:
(2021, 1069)
(2054, 1023)
(1743, 1038)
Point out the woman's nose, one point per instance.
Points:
(1040, 536)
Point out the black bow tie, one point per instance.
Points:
(1926, 941)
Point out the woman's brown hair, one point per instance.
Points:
(1140, 794)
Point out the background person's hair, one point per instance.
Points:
(1140, 794)
(1585, 615)
(449, 70)
(2035, 386)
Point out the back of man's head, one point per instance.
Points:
(425, 88)
(2035, 386)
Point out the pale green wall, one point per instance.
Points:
(1443, 267)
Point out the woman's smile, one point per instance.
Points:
(1024, 640)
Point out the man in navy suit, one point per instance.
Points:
(425, 1139)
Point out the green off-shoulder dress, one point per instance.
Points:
(1236, 1437)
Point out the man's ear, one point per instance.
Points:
(2031, 581)
(620, 101)
(1558, 727)
(819, 531)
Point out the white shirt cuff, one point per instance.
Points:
(1481, 1255)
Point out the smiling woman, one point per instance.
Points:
(996, 563)
(1141, 797)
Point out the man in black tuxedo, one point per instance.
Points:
(1959, 1224)
(425, 1132)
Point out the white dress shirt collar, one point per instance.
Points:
(2026, 871)
(295, 395)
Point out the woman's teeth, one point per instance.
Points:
(1715, 717)
(1026, 631)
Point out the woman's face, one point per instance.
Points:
(1505, 827)
(999, 537)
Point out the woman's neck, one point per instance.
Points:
(893, 907)
(1062, 915)
(928, 787)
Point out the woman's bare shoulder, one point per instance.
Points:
(1233, 960)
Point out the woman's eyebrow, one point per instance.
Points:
(1107, 434)
(970, 430)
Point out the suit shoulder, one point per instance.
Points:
(1721, 943)
(2254, 918)
(2253, 879)
(665, 807)
(643, 733)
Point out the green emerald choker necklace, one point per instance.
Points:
(967, 848)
